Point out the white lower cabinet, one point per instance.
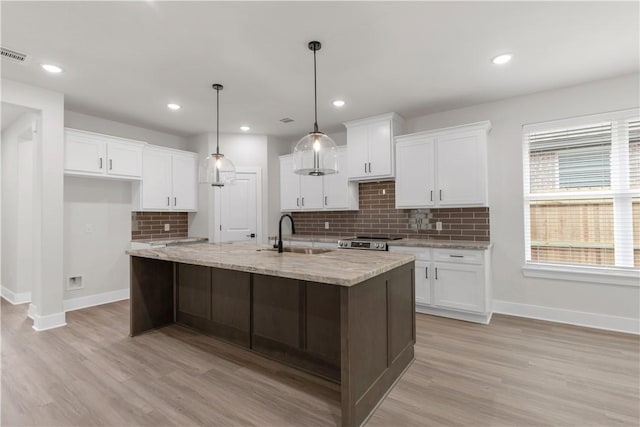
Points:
(452, 282)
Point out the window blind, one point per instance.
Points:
(574, 215)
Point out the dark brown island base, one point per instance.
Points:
(347, 316)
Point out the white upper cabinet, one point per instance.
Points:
(443, 168)
(93, 154)
(169, 181)
(370, 144)
(312, 193)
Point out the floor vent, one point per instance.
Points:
(286, 120)
(13, 55)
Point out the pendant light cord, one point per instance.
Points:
(315, 93)
(218, 121)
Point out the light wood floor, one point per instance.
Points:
(514, 372)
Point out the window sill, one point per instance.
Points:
(603, 276)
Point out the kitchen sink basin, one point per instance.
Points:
(301, 250)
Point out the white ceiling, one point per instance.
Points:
(125, 61)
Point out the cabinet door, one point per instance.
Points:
(461, 170)
(289, 186)
(336, 186)
(156, 180)
(424, 271)
(358, 151)
(311, 192)
(380, 155)
(415, 174)
(184, 182)
(124, 159)
(458, 286)
(84, 154)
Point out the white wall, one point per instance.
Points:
(47, 302)
(89, 123)
(506, 194)
(276, 148)
(17, 208)
(97, 232)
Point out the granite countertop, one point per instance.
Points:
(173, 241)
(315, 239)
(442, 244)
(342, 267)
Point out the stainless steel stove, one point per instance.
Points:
(367, 242)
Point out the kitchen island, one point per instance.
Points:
(345, 315)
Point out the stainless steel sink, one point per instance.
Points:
(302, 250)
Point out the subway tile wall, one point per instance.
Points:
(150, 225)
(379, 217)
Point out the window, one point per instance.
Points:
(582, 192)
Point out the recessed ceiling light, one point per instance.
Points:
(502, 59)
(173, 107)
(338, 103)
(245, 128)
(52, 68)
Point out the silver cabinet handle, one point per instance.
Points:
(365, 168)
(325, 200)
(426, 272)
(303, 201)
(297, 201)
(168, 201)
(436, 273)
(175, 201)
(431, 197)
(456, 256)
(440, 194)
(369, 167)
(110, 164)
(100, 162)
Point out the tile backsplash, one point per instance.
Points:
(378, 216)
(150, 225)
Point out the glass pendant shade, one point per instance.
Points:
(315, 154)
(217, 170)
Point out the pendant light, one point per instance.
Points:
(315, 154)
(216, 169)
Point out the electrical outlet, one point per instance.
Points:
(326, 225)
(167, 227)
(439, 225)
(74, 282)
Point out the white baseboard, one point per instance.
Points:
(579, 318)
(97, 299)
(483, 318)
(43, 323)
(15, 298)
(31, 312)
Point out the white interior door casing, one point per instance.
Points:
(124, 159)
(238, 209)
(415, 178)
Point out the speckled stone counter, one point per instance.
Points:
(342, 267)
(173, 241)
(441, 244)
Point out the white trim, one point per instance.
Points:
(571, 317)
(31, 312)
(484, 126)
(483, 318)
(603, 276)
(582, 120)
(51, 321)
(97, 299)
(15, 298)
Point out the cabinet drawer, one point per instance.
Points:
(420, 253)
(458, 256)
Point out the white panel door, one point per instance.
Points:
(380, 149)
(415, 174)
(124, 159)
(336, 186)
(289, 186)
(238, 209)
(185, 182)
(459, 287)
(84, 154)
(156, 180)
(358, 151)
(460, 172)
(423, 282)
